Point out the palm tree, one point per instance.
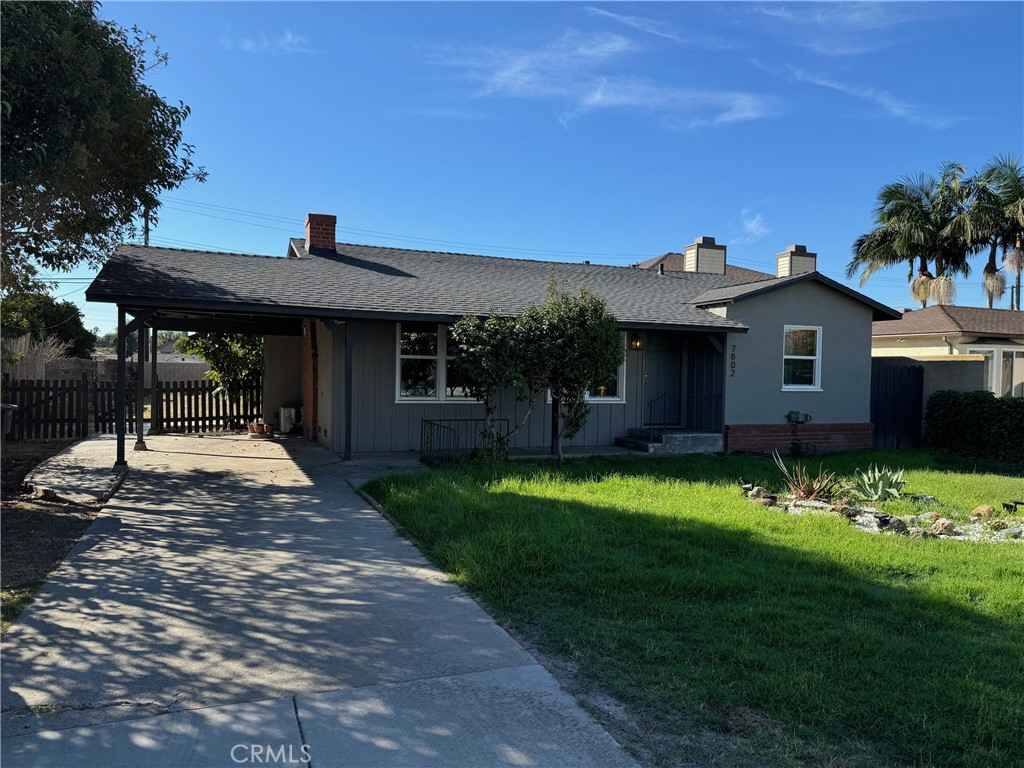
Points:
(995, 219)
(913, 218)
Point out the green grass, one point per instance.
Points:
(674, 594)
(13, 601)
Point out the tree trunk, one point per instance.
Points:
(556, 433)
(991, 266)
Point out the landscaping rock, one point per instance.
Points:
(1014, 533)
(766, 501)
(985, 511)
(897, 526)
(757, 492)
(943, 527)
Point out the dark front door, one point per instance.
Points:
(664, 384)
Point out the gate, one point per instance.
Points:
(897, 405)
(197, 406)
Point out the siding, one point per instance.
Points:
(379, 424)
(282, 374)
(325, 386)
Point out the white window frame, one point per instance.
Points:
(440, 360)
(816, 387)
(992, 385)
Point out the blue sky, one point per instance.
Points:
(610, 132)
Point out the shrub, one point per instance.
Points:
(878, 483)
(977, 425)
(802, 484)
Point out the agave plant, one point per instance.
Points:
(878, 483)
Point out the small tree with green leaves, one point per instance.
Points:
(235, 359)
(495, 354)
(584, 348)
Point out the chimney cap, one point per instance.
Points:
(797, 249)
(705, 240)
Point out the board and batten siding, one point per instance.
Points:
(755, 394)
(379, 424)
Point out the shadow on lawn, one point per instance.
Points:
(669, 614)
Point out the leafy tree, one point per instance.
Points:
(109, 341)
(43, 316)
(496, 354)
(914, 225)
(235, 359)
(584, 347)
(565, 346)
(87, 147)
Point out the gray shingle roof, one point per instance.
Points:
(674, 262)
(944, 320)
(727, 294)
(370, 281)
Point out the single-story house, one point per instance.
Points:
(356, 334)
(996, 336)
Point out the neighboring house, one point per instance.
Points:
(165, 353)
(357, 335)
(995, 336)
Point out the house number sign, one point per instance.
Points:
(732, 361)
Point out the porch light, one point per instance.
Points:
(636, 341)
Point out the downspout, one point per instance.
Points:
(949, 344)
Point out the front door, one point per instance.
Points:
(664, 383)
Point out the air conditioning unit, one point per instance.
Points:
(285, 419)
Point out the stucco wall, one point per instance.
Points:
(890, 346)
(282, 374)
(754, 395)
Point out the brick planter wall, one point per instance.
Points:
(764, 438)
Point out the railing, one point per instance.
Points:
(700, 413)
(444, 441)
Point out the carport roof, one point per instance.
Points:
(354, 281)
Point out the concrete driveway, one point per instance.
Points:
(237, 603)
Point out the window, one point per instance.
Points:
(801, 357)
(610, 391)
(1013, 373)
(424, 365)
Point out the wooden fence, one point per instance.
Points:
(193, 406)
(105, 406)
(896, 405)
(49, 409)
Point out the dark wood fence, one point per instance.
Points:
(193, 406)
(105, 406)
(49, 409)
(897, 405)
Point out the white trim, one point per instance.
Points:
(995, 378)
(619, 399)
(441, 363)
(816, 387)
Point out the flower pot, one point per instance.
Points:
(268, 429)
(252, 429)
(256, 428)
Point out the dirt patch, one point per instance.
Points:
(35, 533)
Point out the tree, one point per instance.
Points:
(109, 341)
(235, 359)
(87, 147)
(996, 219)
(913, 226)
(584, 347)
(42, 316)
(496, 354)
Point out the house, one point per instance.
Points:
(356, 334)
(956, 335)
(166, 353)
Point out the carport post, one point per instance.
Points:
(349, 341)
(119, 393)
(140, 389)
(155, 398)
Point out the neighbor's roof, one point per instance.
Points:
(743, 291)
(942, 320)
(374, 282)
(674, 262)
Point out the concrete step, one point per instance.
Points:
(635, 444)
(676, 443)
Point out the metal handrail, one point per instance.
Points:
(444, 441)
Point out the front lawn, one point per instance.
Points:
(739, 635)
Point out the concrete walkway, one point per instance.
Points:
(236, 597)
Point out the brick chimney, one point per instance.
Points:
(795, 260)
(704, 255)
(320, 232)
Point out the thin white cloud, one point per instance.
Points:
(753, 226)
(286, 42)
(664, 29)
(891, 105)
(838, 29)
(576, 71)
